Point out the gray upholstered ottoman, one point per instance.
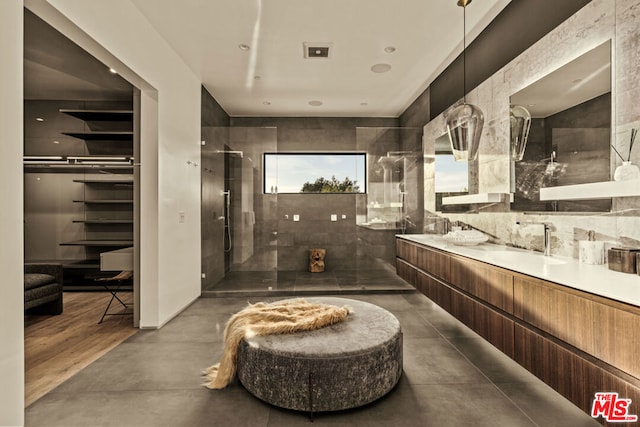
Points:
(342, 366)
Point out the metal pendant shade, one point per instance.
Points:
(465, 122)
(464, 126)
(520, 121)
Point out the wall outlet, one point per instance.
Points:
(334, 217)
(344, 216)
(296, 218)
(181, 216)
(203, 275)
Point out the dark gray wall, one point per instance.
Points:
(520, 24)
(314, 133)
(417, 114)
(315, 228)
(212, 114)
(215, 133)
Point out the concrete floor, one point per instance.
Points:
(451, 377)
(239, 283)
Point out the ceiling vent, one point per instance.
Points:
(317, 50)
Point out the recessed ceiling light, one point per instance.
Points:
(56, 142)
(39, 119)
(364, 104)
(315, 103)
(380, 68)
(244, 47)
(113, 71)
(266, 103)
(389, 49)
(256, 77)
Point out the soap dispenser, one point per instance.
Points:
(591, 251)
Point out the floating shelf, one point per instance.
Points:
(105, 181)
(475, 198)
(114, 243)
(385, 205)
(100, 115)
(101, 136)
(105, 201)
(104, 221)
(595, 190)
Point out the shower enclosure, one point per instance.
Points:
(239, 236)
(395, 196)
(256, 239)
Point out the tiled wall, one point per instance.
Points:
(315, 228)
(596, 23)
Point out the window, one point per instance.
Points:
(315, 172)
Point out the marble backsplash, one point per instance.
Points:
(597, 22)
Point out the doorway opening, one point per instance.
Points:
(81, 142)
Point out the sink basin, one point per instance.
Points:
(518, 257)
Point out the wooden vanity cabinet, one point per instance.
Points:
(577, 343)
(603, 328)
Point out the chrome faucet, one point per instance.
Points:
(547, 234)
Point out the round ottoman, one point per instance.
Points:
(341, 366)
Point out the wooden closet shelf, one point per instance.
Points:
(100, 115)
(116, 243)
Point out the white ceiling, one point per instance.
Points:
(274, 79)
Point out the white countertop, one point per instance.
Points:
(595, 279)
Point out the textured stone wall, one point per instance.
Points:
(599, 21)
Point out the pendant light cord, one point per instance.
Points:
(464, 54)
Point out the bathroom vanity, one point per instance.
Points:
(575, 326)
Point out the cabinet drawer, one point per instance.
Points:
(604, 329)
(491, 284)
(433, 261)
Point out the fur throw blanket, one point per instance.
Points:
(281, 317)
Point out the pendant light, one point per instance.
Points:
(464, 122)
(520, 123)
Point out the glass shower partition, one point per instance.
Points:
(256, 239)
(239, 219)
(394, 200)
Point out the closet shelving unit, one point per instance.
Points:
(107, 202)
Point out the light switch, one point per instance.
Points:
(296, 218)
(334, 217)
(181, 217)
(344, 216)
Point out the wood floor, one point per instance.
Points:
(57, 347)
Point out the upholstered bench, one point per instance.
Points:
(43, 288)
(338, 367)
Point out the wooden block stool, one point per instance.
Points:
(316, 260)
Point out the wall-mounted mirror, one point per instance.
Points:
(451, 177)
(569, 138)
